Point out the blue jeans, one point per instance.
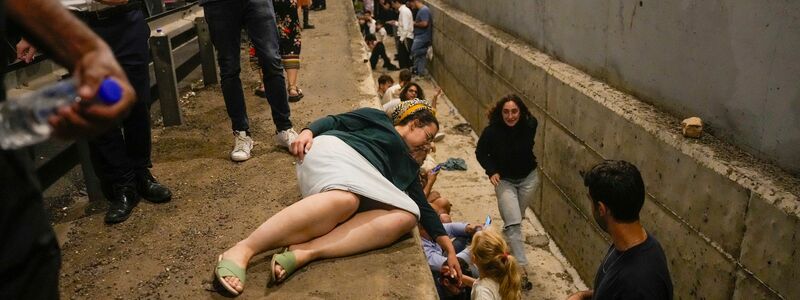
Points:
(225, 21)
(419, 52)
(513, 196)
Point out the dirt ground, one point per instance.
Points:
(168, 251)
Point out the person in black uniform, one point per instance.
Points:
(121, 156)
(29, 253)
(635, 266)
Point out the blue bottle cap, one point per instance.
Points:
(109, 92)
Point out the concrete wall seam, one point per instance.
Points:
(739, 267)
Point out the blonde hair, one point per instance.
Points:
(491, 254)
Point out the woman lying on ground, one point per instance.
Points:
(360, 192)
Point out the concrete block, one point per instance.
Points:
(565, 159)
(575, 233)
(748, 287)
(529, 78)
(770, 246)
(698, 270)
(709, 201)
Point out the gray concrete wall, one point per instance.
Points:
(728, 225)
(733, 63)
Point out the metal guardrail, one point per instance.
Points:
(184, 47)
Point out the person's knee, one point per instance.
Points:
(345, 200)
(405, 220)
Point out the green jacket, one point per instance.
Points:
(370, 132)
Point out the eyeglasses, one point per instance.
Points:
(428, 136)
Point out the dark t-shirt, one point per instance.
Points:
(640, 272)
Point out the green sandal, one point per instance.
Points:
(287, 261)
(227, 268)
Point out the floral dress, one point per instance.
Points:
(288, 32)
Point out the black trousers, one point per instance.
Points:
(29, 255)
(403, 52)
(122, 151)
(377, 53)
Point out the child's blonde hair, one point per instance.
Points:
(491, 254)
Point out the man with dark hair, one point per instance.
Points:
(635, 266)
(423, 36)
(378, 52)
(384, 82)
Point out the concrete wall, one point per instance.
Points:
(734, 63)
(729, 227)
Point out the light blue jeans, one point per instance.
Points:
(513, 196)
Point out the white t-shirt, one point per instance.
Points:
(405, 24)
(380, 35)
(388, 107)
(485, 289)
(393, 92)
(371, 25)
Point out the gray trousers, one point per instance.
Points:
(513, 196)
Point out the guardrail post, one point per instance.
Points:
(93, 189)
(164, 67)
(207, 56)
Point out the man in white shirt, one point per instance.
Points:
(405, 33)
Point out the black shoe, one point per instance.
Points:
(150, 189)
(391, 67)
(308, 26)
(260, 93)
(123, 200)
(525, 284)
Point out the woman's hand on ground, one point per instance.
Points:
(495, 179)
(302, 144)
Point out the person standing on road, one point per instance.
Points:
(122, 156)
(405, 33)
(30, 258)
(505, 151)
(225, 21)
(289, 34)
(423, 36)
(635, 266)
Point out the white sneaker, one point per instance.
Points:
(439, 137)
(285, 138)
(242, 147)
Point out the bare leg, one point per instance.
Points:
(441, 205)
(365, 231)
(291, 81)
(307, 219)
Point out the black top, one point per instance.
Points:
(508, 150)
(370, 132)
(641, 272)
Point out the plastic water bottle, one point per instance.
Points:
(23, 120)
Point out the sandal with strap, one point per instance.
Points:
(298, 93)
(287, 261)
(227, 268)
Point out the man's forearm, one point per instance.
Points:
(55, 28)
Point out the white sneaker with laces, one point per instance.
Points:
(285, 138)
(242, 147)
